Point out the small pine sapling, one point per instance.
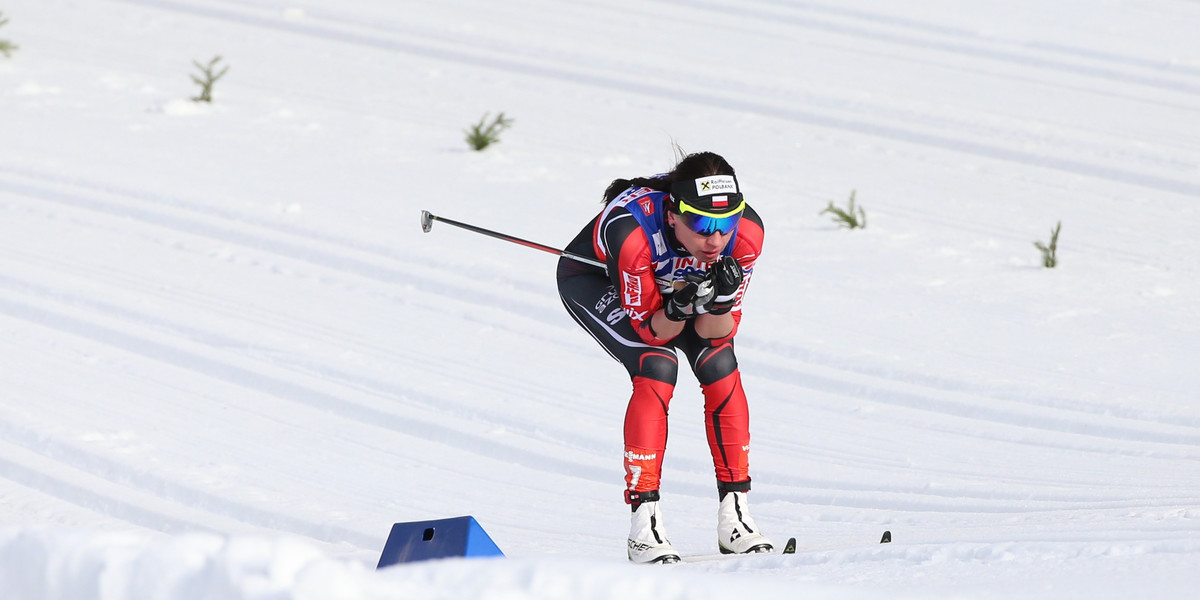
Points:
(1050, 252)
(206, 84)
(483, 134)
(6, 47)
(851, 217)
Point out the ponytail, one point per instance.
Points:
(620, 185)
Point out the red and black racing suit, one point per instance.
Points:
(645, 263)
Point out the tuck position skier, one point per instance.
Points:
(679, 248)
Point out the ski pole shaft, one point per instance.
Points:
(427, 219)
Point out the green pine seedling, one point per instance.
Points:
(484, 134)
(206, 84)
(1050, 252)
(6, 47)
(851, 217)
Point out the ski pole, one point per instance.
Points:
(427, 219)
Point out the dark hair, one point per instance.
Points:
(692, 166)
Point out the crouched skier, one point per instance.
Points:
(679, 248)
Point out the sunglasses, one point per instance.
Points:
(706, 223)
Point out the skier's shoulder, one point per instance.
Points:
(750, 215)
(638, 207)
(749, 241)
(640, 201)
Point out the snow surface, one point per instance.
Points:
(230, 359)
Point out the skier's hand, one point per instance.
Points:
(697, 291)
(726, 275)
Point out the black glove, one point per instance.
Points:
(697, 291)
(726, 275)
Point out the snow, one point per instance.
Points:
(230, 359)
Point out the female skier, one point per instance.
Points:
(679, 248)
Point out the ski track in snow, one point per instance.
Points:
(958, 137)
(34, 305)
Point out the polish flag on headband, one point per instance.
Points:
(720, 201)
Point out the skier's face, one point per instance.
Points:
(705, 247)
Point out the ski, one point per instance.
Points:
(788, 548)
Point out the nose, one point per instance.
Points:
(715, 241)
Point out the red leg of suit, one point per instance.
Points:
(727, 419)
(646, 433)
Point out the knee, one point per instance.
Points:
(659, 366)
(715, 364)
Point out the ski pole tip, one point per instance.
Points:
(426, 221)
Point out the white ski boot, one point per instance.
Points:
(736, 531)
(648, 541)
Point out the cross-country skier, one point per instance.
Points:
(680, 248)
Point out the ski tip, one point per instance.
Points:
(887, 537)
(790, 546)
